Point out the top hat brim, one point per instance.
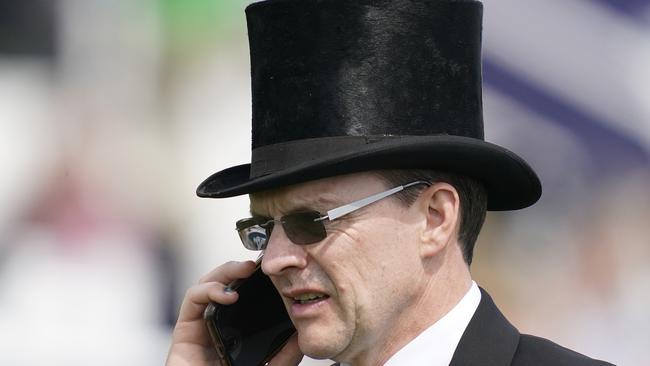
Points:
(509, 181)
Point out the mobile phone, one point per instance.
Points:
(253, 329)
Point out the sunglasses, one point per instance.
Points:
(305, 227)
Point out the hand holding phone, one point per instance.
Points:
(252, 330)
(191, 341)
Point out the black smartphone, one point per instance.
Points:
(252, 330)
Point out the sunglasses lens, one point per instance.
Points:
(304, 228)
(252, 235)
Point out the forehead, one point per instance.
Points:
(319, 194)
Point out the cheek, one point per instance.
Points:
(369, 261)
(386, 248)
(342, 259)
(385, 262)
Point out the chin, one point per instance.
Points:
(319, 344)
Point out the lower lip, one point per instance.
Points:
(299, 310)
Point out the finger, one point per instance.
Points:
(230, 271)
(289, 355)
(198, 296)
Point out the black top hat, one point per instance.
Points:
(344, 86)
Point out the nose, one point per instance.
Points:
(281, 254)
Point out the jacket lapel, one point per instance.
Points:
(488, 340)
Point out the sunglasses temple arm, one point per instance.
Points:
(344, 210)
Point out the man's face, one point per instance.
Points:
(347, 295)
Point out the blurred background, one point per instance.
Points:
(112, 112)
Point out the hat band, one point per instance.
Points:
(272, 158)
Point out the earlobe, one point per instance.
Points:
(440, 205)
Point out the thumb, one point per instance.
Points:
(289, 355)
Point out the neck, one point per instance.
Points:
(441, 287)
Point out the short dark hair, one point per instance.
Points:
(471, 193)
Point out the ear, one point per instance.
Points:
(441, 206)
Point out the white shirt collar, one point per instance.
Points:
(436, 345)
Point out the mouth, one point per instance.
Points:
(309, 298)
(306, 303)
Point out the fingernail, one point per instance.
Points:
(228, 290)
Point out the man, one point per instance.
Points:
(369, 184)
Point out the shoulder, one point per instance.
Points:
(534, 350)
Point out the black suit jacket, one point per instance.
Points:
(490, 340)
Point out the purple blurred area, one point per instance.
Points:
(111, 113)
